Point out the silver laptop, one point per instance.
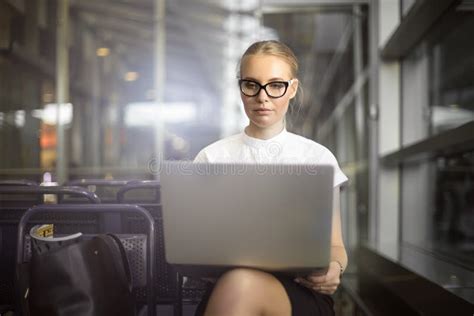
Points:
(270, 217)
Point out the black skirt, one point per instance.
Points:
(304, 302)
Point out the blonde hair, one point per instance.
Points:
(274, 48)
(278, 49)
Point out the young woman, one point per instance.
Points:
(268, 81)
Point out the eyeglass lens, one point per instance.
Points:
(274, 89)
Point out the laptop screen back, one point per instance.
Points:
(271, 217)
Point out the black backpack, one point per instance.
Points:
(88, 278)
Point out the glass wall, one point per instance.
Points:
(453, 216)
(331, 46)
(451, 73)
(437, 208)
(111, 119)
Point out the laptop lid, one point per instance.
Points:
(270, 217)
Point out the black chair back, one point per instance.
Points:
(132, 243)
(14, 201)
(169, 283)
(17, 183)
(105, 189)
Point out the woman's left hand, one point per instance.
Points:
(325, 284)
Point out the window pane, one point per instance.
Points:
(438, 203)
(452, 76)
(438, 95)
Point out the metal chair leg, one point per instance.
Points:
(178, 304)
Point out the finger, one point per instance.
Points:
(318, 279)
(332, 279)
(310, 285)
(327, 291)
(334, 282)
(325, 288)
(304, 283)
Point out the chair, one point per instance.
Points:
(105, 189)
(14, 201)
(134, 244)
(17, 183)
(107, 192)
(169, 283)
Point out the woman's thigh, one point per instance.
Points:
(304, 302)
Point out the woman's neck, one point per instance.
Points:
(263, 133)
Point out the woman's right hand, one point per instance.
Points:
(325, 284)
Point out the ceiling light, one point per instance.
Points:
(103, 52)
(131, 76)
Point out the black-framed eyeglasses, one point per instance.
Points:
(274, 89)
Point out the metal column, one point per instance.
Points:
(62, 85)
(352, 213)
(160, 78)
(373, 159)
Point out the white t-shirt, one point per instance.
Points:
(285, 148)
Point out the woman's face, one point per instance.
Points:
(263, 111)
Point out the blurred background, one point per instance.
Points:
(126, 60)
(100, 89)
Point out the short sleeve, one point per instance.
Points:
(339, 177)
(201, 157)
